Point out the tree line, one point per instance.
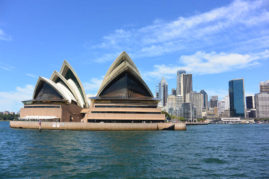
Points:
(8, 117)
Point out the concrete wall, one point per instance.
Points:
(66, 112)
(98, 126)
(41, 112)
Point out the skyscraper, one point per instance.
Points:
(262, 105)
(186, 85)
(250, 102)
(205, 99)
(196, 99)
(237, 98)
(174, 92)
(264, 87)
(179, 79)
(163, 92)
(214, 101)
(262, 100)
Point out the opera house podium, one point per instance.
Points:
(124, 97)
(123, 102)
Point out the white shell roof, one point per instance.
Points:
(66, 66)
(71, 85)
(121, 64)
(61, 89)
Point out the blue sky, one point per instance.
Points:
(216, 41)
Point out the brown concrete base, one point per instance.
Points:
(98, 126)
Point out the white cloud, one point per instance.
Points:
(209, 63)
(31, 75)
(6, 67)
(222, 27)
(93, 85)
(4, 36)
(11, 100)
(107, 57)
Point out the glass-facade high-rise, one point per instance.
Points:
(163, 92)
(237, 99)
(179, 81)
(250, 102)
(205, 99)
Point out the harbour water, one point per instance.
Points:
(215, 151)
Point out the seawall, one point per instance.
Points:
(97, 126)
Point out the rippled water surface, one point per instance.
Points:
(215, 151)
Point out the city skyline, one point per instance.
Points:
(203, 39)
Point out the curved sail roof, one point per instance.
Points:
(57, 77)
(68, 72)
(123, 79)
(46, 89)
(121, 58)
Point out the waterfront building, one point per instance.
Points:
(227, 103)
(264, 87)
(214, 101)
(163, 92)
(124, 97)
(262, 105)
(179, 81)
(231, 120)
(60, 98)
(262, 101)
(173, 106)
(196, 99)
(188, 111)
(221, 107)
(205, 99)
(250, 102)
(251, 113)
(237, 98)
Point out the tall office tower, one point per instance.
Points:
(237, 98)
(174, 92)
(163, 92)
(227, 103)
(250, 103)
(262, 105)
(186, 85)
(264, 87)
(221, 107)
(205, 99)
(179, 81)
(262, 101)
(196, 99)
(214, 101)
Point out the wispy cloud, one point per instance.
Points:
(209, 63)
(11, 100)
(221, 28)
(6, 67)
(106, 57)
(31, 75)
(4, 36)
(93, 85)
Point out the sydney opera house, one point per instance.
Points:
(123, 99)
